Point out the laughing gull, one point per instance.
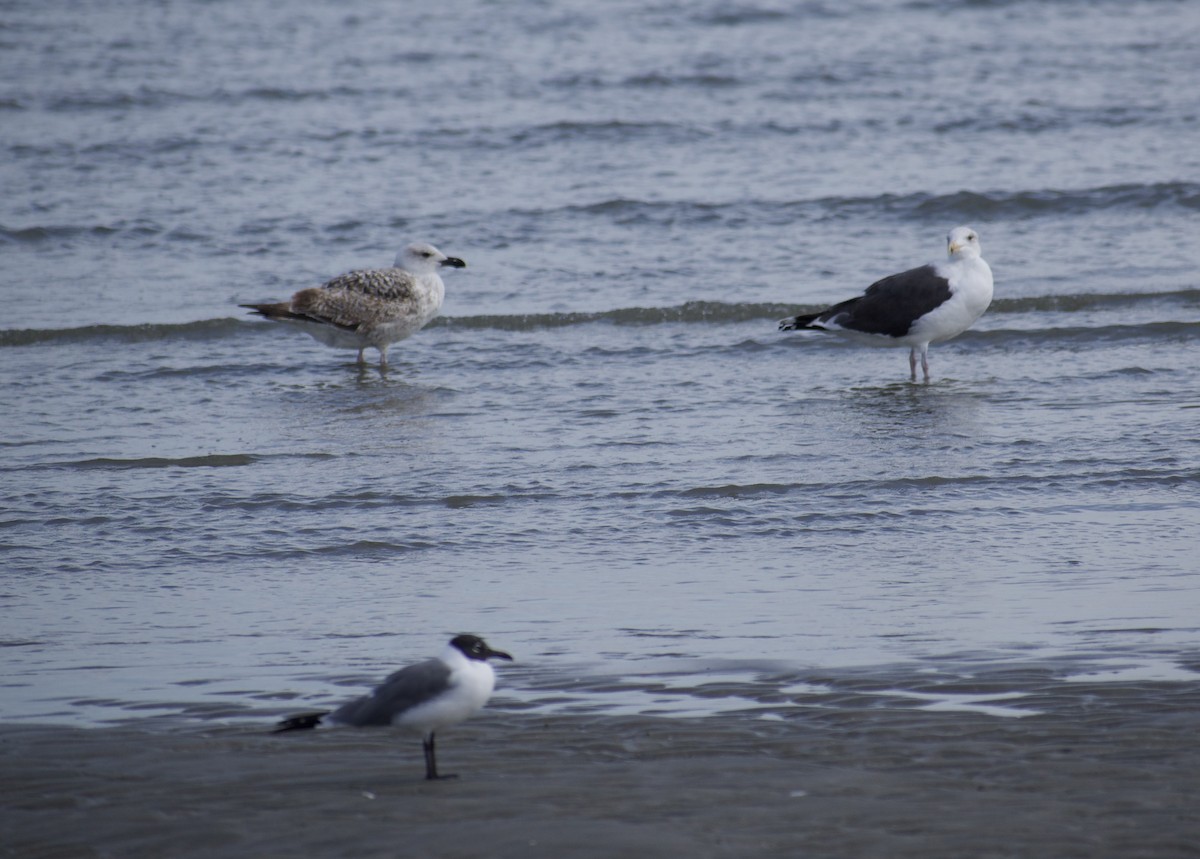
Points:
(425, 697)
(914, 308)
(373, 307)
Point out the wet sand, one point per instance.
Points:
(1113, 771)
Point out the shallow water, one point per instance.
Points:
(603, 457)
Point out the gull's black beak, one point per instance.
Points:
(498, 654)
(455, 262)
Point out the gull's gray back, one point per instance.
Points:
(402, 691)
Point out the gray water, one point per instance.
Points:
(603, 457)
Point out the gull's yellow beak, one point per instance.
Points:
(955, 246)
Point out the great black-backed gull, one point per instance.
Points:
(424, 697)
(914, 308)
(373, 307)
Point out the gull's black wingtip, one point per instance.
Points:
(796, 323)
(303, 722)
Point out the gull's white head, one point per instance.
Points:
(963, 243)
(424, 258)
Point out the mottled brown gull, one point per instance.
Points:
(917, 307)
(371, 307)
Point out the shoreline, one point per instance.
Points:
(1116, 774)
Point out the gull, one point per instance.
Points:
(924, 305)
(424, 697)
(370, 307)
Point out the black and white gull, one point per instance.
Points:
(924, 305)
(424, 697)
(370, 307)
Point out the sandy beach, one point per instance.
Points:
(1113, 771)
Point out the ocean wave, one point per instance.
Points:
(36, 233)
(210, 461)
(951, 6)
(216, 460)
(1023, 204)
(607, 131)
(1054, 118)
(958, 206)
(659, 80)
(691, 312)
(717, 312)
(206, 329)
(154, 98)
(540, 135)
(1016, 205)
(728, 15)
(1101, 333)
(734, 16)
(721, 496)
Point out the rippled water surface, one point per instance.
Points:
(603, 456)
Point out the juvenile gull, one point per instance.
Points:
(424, 697)
(914, 308)
(373, 307)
